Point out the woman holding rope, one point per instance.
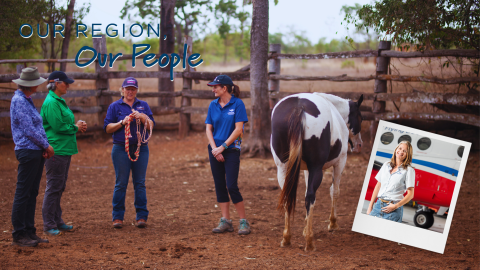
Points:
(129, 119)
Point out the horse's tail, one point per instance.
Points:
(296, 132)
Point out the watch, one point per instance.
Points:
(225, 145)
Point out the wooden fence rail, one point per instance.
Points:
(374, 53)
(375, 113)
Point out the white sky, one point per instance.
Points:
(316, 17)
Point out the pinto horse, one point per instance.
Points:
(310, 132)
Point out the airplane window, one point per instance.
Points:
(460, 151)
(386, 138)
(405, 138)
(424, 143)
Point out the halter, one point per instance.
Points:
(140, 137)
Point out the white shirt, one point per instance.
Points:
(394, 185)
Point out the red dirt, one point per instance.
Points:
(181, 201)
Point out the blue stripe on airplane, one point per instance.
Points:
(432, 165)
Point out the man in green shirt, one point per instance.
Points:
(60, 127)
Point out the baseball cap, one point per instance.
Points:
(221, 79)
(130, 81)
(59, 76)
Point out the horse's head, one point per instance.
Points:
(355, 123)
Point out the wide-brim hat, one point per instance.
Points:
(29, 77)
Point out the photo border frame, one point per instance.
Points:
(405, 234)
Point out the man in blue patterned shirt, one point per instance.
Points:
(31, 149)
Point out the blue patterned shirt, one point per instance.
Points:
(27, 124)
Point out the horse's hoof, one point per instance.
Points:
(310, 248)
(332, 227)
(285, 243)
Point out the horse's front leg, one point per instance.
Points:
(335, 192)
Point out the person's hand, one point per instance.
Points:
(217, 151)
(389, 208)
(124, 121)
(49, 152)
(82, 126)
(220, 158)
(139, 115)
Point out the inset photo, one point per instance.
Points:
(411, 186)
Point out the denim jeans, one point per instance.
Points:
(396, 215)
(57, 173)
(225, 175)
(123, 165)
(30, 169)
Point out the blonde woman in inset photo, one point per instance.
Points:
(396, 177)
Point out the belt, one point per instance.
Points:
(385, 200)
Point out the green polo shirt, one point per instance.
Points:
(59, 124)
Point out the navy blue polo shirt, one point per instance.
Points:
(223, 120)
(118, 110)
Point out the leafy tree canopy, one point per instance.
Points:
(427, 23)
(13, 14)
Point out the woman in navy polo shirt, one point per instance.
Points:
(115, 123)
(225, 122)
(394, 179)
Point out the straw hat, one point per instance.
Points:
(30, 77)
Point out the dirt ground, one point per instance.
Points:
(182, 205)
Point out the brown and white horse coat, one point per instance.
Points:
(310, 132)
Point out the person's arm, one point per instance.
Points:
(112, 127)
(24, 122)
(111, 123)
(374, 197)
(209, 131)
(392, 207)
(53, 115)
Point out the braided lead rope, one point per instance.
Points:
(140, 137)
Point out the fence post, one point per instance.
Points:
(100, 45)
(19, 68)
(184, 126)
(274, 68)
(380, 86)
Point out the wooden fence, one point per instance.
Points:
(375, 113)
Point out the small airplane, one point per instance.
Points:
(436, 165)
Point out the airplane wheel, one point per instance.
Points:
(423, 219)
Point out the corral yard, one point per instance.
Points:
(182, 206)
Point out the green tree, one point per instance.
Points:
(242, 16)
(224, 11)
(189, 16)
(366, 32)
(57, 13)
(427, 23)
(13, 14)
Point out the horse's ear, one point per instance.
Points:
(360, 100)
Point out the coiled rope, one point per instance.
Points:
(141, 138)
